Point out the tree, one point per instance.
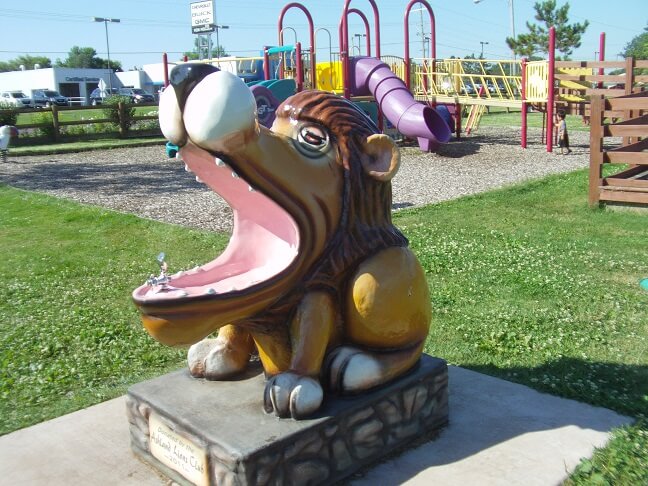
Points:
(28, 61)
(637, 47)
(568, 37)
(86, 57)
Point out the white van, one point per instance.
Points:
(16, 99)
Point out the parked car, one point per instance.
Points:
(16, 99)
(48, 97)
(98, 95)
(468, 89)
(137, 95)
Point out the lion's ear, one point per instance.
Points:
(383, 157)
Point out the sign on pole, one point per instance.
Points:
(202, 17)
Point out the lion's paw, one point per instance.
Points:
(215, 359)
(291, 395)
(352, 370)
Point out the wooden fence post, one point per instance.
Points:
(597, 105)
(629, 83)
(122, 120)
(55, 123)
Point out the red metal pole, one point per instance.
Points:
(344, 57)
(311, 30)
(524, 105)
(299, 67)
(366, 24)
(601, 56)
(344, 42)
(407, 60)
(376, 26)
(550, 86)
(406, 30)
(165, 64)
(266, 63)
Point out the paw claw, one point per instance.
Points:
(291, 395)
(350, 370)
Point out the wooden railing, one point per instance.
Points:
(580, 81)
(469, 81)
(58, 118)
(627, 117)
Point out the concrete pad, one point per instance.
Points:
(91, 446)
(499, 433)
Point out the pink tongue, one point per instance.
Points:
(264, 240)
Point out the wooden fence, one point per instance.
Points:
(58, 119)
(627, 117)
(577, 82)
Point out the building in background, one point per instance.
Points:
(78, 83)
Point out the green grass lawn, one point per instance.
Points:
(109, 142)
(74, 115)
(527, 283)
(531, 285)
(69, 334)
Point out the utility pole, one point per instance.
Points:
(424, 35)
(481, 56)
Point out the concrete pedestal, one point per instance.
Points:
(201, 432)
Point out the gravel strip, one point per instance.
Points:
(142, 181)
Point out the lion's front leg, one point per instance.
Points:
(221, 357)
(297, 392)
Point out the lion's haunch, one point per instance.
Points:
(388, 303)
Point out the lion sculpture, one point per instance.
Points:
(315, 278)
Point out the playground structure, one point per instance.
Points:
(438, 90)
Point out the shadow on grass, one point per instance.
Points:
(617, 386)
(107, 178)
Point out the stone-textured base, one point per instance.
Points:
(224, 423)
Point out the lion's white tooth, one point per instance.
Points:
(187, 168)
(235, 175)
(198, 179)
(211, 291)
(184, 294)
(220, 163)
(232, 289)
(251, 189)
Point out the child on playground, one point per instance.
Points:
(563, 136)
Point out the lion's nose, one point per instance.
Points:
(185, 77)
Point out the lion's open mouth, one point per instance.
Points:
(264, 240)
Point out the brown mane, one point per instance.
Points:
(365, 226)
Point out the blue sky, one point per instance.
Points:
(150, 27)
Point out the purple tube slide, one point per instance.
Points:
(370, 76)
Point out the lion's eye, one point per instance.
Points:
(313, 138)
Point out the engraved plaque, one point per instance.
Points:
(177, 452)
